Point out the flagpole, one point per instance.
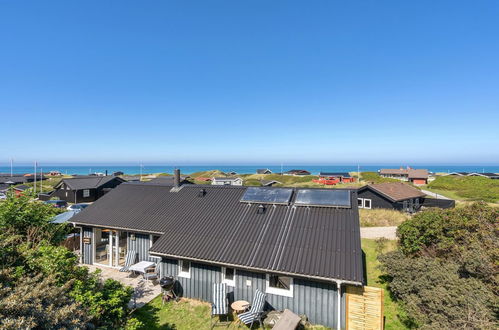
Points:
(34, 176)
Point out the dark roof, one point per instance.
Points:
(320, 242)
(88, 182)
(458, 173)
(21, 187)
(297, 172)
(4, 186)
(269, 182)
(16, 179)
(263, 171)
(335, 174)
(168, 180)
(395, 191)
(484, 174)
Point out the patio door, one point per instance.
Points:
(110, 247)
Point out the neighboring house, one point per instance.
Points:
(297, 172)
(458, 173)
(203, 179)
(227, 182)
(299, 246)
(168, 180)
(84, 189)
(19, 190)
(390, 195)
(341, 177)
(131, 178)
(486, 175)
(232, 173)
(269, 183)
(15, 179)
(416, 176)
(118, 173)
(263, 171)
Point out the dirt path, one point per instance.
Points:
(378, 232)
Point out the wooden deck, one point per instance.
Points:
(145, 291)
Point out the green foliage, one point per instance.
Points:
(373, 177)
(436, 296)
(31, 259)
(252, 182)
(36, 302)
(469, 187)
(106, 300)
(446, 268)
(21, 213)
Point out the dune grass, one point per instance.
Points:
(468, 188)
(381, 217)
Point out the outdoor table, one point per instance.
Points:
(141, 267)
(239, 306)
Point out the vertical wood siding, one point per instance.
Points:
(88, 248)
(317, 300)
(141, 245)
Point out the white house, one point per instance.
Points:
(227, 181)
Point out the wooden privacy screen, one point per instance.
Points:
(364, 308)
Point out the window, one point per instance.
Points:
(229, 276)
(280, 285)
(367, 203)
(86, 192)
(154, 239)
(184, 268)
(364, 203)
(360, 203)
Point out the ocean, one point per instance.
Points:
(241, 169)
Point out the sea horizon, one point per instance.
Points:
(239, 169)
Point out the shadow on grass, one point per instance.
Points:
(148, 315)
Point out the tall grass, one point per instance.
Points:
(381, 217)
(471, 188)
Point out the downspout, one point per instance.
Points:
(338, 286)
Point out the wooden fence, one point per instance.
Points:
(364, 308)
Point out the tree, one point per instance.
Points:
(37, 302)
(446, 268)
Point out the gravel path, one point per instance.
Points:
(435, 195)
(378, 232)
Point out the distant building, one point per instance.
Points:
(416, 176)
(390, 195)
(458, 173)
(269, 183)
(263, 171)
(486, 175)
(167, 180)
(227, 181)
(341, 177)
(118, 173)
(84, 189)
(297, 172)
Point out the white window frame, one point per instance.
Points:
(276, 291)
(226, 281)
(361, 206)
(364, 203)
(182, 273)
(86, 192)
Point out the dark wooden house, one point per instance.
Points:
(390, 195)
(85, 189)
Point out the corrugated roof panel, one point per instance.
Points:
(309, 241)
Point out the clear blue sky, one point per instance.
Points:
(327, 82)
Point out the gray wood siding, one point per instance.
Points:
(317, 300)
(141, 245)
(88, 248)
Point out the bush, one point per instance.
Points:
(436, 296)
(446, 267)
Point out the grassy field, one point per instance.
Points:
(393, 313)
(47, 185)
(381, 217)
(185, 314)
(469, 188)
(373, 177)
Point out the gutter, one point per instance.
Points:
(119, 228)
(263, 270)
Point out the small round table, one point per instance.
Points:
(239, 306)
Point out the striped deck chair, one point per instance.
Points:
(130, 258)
(220, 305)
(256, 311)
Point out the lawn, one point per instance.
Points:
(185, 314)
(392, 310)
(194, 314)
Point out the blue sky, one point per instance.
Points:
(326, 82)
